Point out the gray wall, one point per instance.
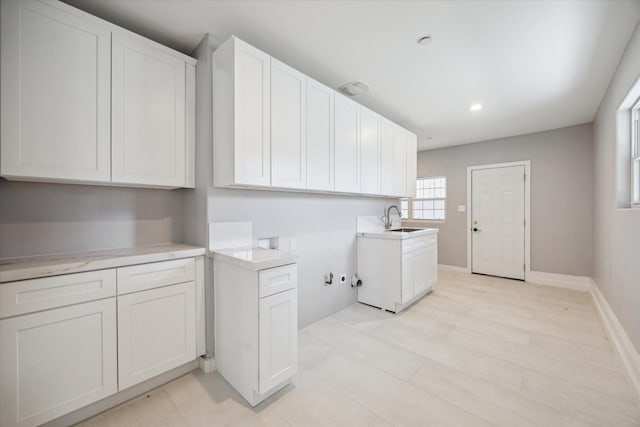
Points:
(616, 231)
(40, 218)
(324, 229)
(561, 195)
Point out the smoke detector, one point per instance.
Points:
(354, 88)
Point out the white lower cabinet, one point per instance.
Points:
(70, 340)
(396, 272)
(156, 332)
(55, 361)
(256, 321)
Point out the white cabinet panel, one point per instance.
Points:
(156, 332)
(399, 162)
(407, 277)
(56, 361)
(421, 262)
(412, 164)
(278, 338)
(288, 127)
(277, 279)
(347, 145)
(369, 152)
(55, 109)
(320, 137)
(141, 277)
(386, 157)
(252, 131)
(148, 113)
(27, 296)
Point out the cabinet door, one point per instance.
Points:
(320, 137)
(407, 277)
(421, 267)
(288, 127)
(55, 104)
(399, 162)
(252, 142)
(369, 152)
(278, 338)
(347, 150)
(412, 160)
(148, 113)
(386, 157)
(56, 361)
(156, 332)
(432, 264)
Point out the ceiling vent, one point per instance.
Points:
(354, 88)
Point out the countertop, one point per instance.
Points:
(255, 258)
(12, 269)
(397, 235)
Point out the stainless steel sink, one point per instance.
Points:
(405, 230)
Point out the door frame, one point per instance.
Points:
(527, 211)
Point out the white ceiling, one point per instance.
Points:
(534, 65)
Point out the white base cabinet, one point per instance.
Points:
(55, 361)
(256, 321)
(70, 340)
(156, 332)
(395, 273)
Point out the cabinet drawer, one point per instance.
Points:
(148, 276)
(278, 279)
(414, 243)
(27, 296)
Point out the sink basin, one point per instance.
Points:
(405, 230)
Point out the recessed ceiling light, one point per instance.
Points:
(475, 107)
(355, 87)
(424, 40)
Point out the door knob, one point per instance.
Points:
(476, 229)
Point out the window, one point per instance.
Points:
(429, 203)
(635, 153)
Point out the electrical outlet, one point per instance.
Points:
(343, 278)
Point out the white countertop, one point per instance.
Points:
(255, 258)
(12, 269)
(389, 234)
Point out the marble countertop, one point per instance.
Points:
(398, 235)
(12, 269)
(255, 258)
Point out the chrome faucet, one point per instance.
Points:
(387, 216)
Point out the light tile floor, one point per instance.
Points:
(478, 351)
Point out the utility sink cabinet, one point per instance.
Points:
(397, 268)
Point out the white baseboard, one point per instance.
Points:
(207, 364)
(567, 281)
(445, 267)
(621, 342)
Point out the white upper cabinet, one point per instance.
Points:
(320, 137)
(55, 94)
(274, 127)
(148, 114)
(399, 161)
(386, 158)
(241, 115)
(412, 164)
(84, 101)
(347, 145)
(288, 127)
(369, 152)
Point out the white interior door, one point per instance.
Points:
(498, 221)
